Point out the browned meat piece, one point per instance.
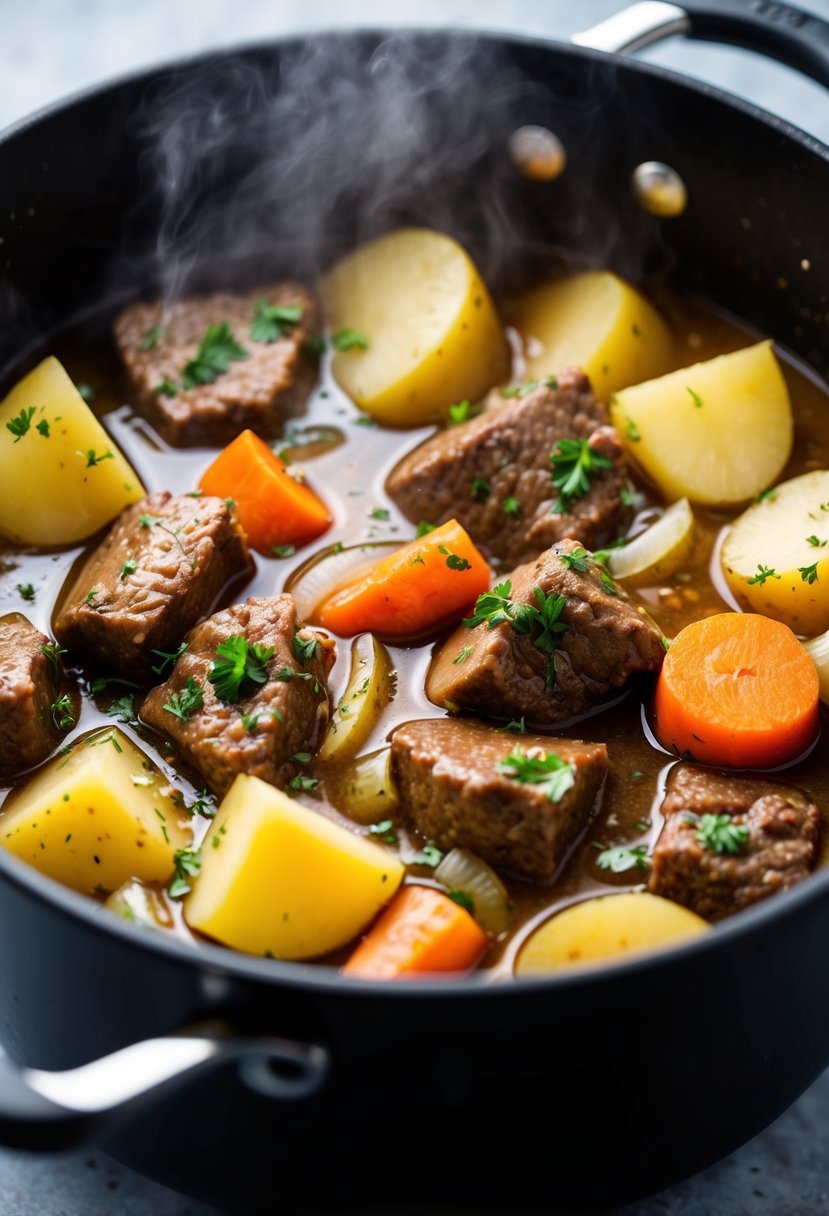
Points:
(503, 673)
(36, 706)
(160, 568)
(469, 472)
(259, 392)
(272, 722)
(780, 849)
(452, 791)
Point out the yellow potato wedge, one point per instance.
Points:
(597, 322)
(716, 433)
(51, 442)
(606, 929)
(433, 335)
(280, 879)
(369, 690)
(776, 557)
(97, 817)
(653, 556)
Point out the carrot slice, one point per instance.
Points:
(737, 689)
(424, 584)
(421, 930)
(272, 506)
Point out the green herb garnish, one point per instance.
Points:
(621, 859)
(574, 463)
(20, 425)
(184, 703)
(550, 772)
(217, 350)
(188, 865)
(720, 834)
(269, 320)
(238, 661)
(349, 339)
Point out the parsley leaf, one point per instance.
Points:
(165, 388)
(129, 567)
(517, 726)
(815, 541)
(429, 855)
(92, 459)
(462, 900)
(122, 708)
(283, 550)
(578, 559)
(303, 784)
(182, 704)
(269, 320)
(384, 830)
(632, 430)
(236, 662)
(453, 560)
(808, 573)
(62, 713)
(520, 390)
(492, 607)
(550, 772)
(511, 506)
(152, 338)
(480, 489)
(459, 413)
(379, 513)
(203, 804)
(20, 425)
(217, 350)
(424, 528)
(574, 463)
(621, 859)
(349, 339)
(168, 656)
(767, 495)
(462, 655)
(763, 573)
(695, 397)
(26, 591)
(52, 652)
(188, 865)
(718, 833)
(43, 428)
(304, 649)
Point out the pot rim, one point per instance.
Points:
(313, 977)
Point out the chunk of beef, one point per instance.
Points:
(271, 723)
(469, 472)
(451, 790)
(31, 683)
(159, 569)
(156, 342)
(503, 673)
(781, 848)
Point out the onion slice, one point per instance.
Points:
(464, 872)
(818, 651)
(654, 555)
(318, 578)
(369, 793)
(369, 690)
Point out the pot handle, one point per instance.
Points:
(785, 33)
(55, 1110)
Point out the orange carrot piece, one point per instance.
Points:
(272, 507)
(737, 689)
(422, 930)
(424, 584)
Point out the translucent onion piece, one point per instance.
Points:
(327, 571)
(368, 788)
(461, 870)
(818, 651)
(368, 692)
(654, 555)
(141, 905)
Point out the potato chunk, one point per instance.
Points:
(96, 817)
(607, 929)
(433, 335)
(279, 879)
(63, 478)
(597, 322)
(776, 556)
(718, 432)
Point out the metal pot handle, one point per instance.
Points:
(53, 1110)
(781, 31)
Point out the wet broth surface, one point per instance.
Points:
(347, 460)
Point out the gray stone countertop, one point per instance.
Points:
(50, 48)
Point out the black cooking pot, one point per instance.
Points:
(261, 1085)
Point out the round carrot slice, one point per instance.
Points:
(737, 689)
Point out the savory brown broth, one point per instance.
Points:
(348, 460)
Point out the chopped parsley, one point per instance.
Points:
(524, 390)
(462, 655)
(93, 459)
(26, 591)
(453, 560)
(719, 834)
(349, 339)
(511, 506)
(184, 703)
(480, 489)
(62, 713)
(165, 388)
(808, 573)
(237, 661)
(52, 652)
(168, 656)
(424, 528)
(429, 855)
(203, 804)
(129, 567)
(578, 559)
(379, 513)
(517, 726)
(462, 900)
(217, 350)
(43, 428)
(188, 865)
(384, 830)
(815, 542)
(621, 859)
(152, 338)
(283, 550)
(250, 722)
(492, 607)
(549, 771)
(302, 784)
(304, 649)
(122, 708)
(763, 573)
(695, 397)
(767, 495)
(574, 463)
(269, 320)
(632, 430)
(459, 413)
(20, 425)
